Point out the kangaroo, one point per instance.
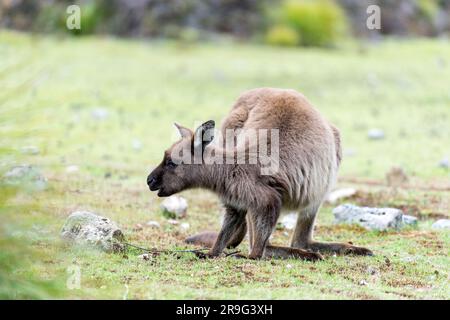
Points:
(309, 155)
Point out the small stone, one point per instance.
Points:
(444, 163)
(153, 224)
(136, 144)
(363, 283)
(338, 194)
(32, 150)
(441, 224)
(174, 207)
(72, 169)
(172, 221)
(375, 134)
(99, 114)
(369, 218)
(349, 152)
(27, 176)
(409, 220)
(372, 271)
(289, 221)
(138, 227)
(90, 229)
(185, 226)
(289, 266)
(144, 256)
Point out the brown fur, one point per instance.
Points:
(309, 157)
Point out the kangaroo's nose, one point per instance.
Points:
(150, 180)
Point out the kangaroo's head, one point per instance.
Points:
(177, 171)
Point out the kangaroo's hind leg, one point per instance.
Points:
(303, 236)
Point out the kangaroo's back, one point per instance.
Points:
(309, 146)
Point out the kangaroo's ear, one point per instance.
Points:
(184, 132)
(204, 135)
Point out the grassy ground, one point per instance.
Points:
(49, 88)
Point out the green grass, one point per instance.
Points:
(49, 87)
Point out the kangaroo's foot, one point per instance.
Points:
(339, 248)
(278, 252)
(205, 239)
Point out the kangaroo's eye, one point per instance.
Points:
(170, 163)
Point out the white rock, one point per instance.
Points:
(144, 256)
(349, 152)
(173, 221)
(375, 134)
(174, 207)
(136, 144)
(289, 221)
(409, 219)
(72, 169)
(441, 224)
(99, 113)
(369, 218)
(338, 194)
(87, 228)
(363, 283)
(444, 163)
(185, 226)
(30, 150)
(153, 224)
(27, 176)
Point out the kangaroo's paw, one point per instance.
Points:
(340, 249)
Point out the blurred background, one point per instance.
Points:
(85, 113)
(278, 22)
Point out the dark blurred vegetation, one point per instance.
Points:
(278, 22)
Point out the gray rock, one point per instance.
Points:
(30, 150)
(375, 134)
(90, 229)
(174, 207)
(26, 176)
(369, 218)
(409, 220)
(349, 152)
(441, 224)
(444, 163)
(100, 114)
(136, 144)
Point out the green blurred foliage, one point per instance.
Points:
(281, 35)
(317, 23)
(17, 254)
